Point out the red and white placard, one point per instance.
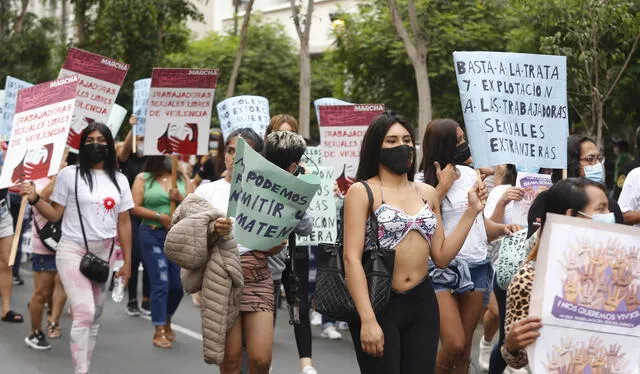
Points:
(39, 133)
(99, 82)
(179, 112)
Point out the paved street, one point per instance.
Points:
(124, 345)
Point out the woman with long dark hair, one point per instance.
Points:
(401, 338)
(585, 160)
(91, 223)
(152, 194)
(461, 299)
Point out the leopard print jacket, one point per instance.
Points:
(518, 297)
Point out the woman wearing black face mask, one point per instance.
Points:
(152, 195)
(463, 286)
(95, 199)
(401, 338)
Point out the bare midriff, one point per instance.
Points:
(411, 264)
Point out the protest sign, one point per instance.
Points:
(322, 211)
(312, 157)
(100, 79)
(2, 138)
(342, 128)
(180, 106)
(41, 123)
(266, 201)
(244, 111)
(114, 122)
(532, 184)
(327, 101)
(11, 87)
(514, 107)
(586, 285)
(141, 89)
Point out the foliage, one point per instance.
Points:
(596, 36)
(378, 70)
(269, 66)
(29, 55)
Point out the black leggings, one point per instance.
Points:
(136, 260)
(411, 327)
(497, 363)
(302, 331)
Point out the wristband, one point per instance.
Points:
(36, 200)
(157, 216)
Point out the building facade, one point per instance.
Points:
(219, 17)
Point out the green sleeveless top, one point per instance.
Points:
(157, 199)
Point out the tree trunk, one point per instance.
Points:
(64, 14)
(305, 90)
(240, 52)
(17, 28)
(80, 18)
(599, 120)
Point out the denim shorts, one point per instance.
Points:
(481, 277)
(43, 262)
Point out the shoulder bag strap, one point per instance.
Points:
(373, 221)
(84, 236)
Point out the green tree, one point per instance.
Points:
(377, 68)
(269, 65)
(151, 30)
(600, 39)
(27, 54)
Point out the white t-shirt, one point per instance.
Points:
(453, 207)
(217, 194)
(629, 199)
(492, 201)
(100, 207)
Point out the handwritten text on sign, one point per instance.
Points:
(322, 211)
(244, 111)
(179, 112)
(515, 107)
(100, 79)
(38, 137)
(141, 89)
(266, 201)
(11, 87)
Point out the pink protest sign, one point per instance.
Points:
(100, 79)
(179, 112)
(342, 128)
(39, 133)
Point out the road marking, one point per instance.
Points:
(180, 329)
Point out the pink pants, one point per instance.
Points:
(87, 299)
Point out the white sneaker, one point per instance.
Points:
(316, 318)
(309, 370)
(343, 326)
(331, 333)
(484, 354)
(510, 370)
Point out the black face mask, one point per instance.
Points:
(397, 159)
(96, 152)
(462, 154)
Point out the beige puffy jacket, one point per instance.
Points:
(209, 263)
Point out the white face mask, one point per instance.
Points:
(601, 217)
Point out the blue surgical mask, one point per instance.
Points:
(594, 172)
(601, 217)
